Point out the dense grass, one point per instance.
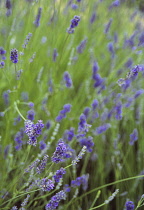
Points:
(113, 163)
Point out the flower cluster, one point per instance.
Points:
(46, 184)
(38, 17)
(33, 131)
(42, 165)
(74, 23)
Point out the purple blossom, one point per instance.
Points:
(66, 188)
(74, 6)
(48, 125)
(2, 51)
(129, 63)
(83, 126)
(42, 144)
(82, 180)
(138, 93)
(26, 41)
(94, 104)
(107, 27)
(74, 23)
(31, 115)
(8, 4)
(88, 142)
(111, 49)
(19, 139)
(118, 110)
(55, 54)
(133, 136)
(54, 202)
(6, 98)
(115, 3)
(33, 131)
(69, 134)
(60, 151)
(14, 55)
(42, 164)
(59, 174)
(24, 203)
(95, 68)
(63, 112)
(67, 79)
(87, 111)
(46, 184)
(31, 104)
(33, 165)
(38, 17)
(101, 129)
(93, 17)
(2, 64)
(81, 46)
(129, 205)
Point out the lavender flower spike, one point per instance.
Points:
(59, 152)
(37, 20)
(133, 136)
(33, 131)
(14, 55)
(74, 23)
(67, 79)
(54, 202)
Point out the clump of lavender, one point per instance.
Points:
(67, 79)
(62, 113)
(14, 55)
(60, 152)
(26, 41)
(38, 17)
(129, 205)
(59, 174)
(74, 23)
(54, 202)
(33, 131)
(133, 136)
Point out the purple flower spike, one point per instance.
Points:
(33, 131)
(133, 136)
(67, 79)
(59, 174)
(74, 23)
(60, 151)
(38, 17)
(54, 202)
(14, 55)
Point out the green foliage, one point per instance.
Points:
(112, 160)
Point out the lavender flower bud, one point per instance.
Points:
(14, 55)
(81, 46)
(31, 114)
(24, 203)
(74, 23)
(129, 205)
(38, 17)
(133, 136)
(93, 18)
(59, 174)
(107, 27)
(46, 184)
(42, 165)
(67, 79)
(55, 54)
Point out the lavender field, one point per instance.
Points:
(72, 105)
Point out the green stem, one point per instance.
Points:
(15, 104)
